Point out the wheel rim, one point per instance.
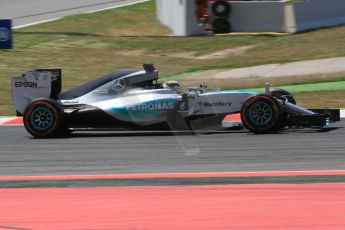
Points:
(42, 119)
(260, 113)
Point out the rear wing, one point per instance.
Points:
(39, 83)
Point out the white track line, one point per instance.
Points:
(36, 23)
(114, 7)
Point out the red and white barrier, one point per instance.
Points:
(11, 121)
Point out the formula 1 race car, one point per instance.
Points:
(134, 100)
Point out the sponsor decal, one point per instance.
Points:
(153, 87)
(211, 104)
(153, 106)
(70, 102)
(26, 84)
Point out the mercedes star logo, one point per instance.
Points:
(119, 85)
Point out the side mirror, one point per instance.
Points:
(203, 85)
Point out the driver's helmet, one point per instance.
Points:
(173, 85)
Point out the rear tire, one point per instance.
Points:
(43, 118)
(261, 114)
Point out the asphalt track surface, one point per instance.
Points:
(24, 12)
(99, 153)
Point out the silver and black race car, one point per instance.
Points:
(134, 100)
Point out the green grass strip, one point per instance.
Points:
(305, 88)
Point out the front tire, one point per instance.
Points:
(43, 118)
(281, 93)
(261, 114)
